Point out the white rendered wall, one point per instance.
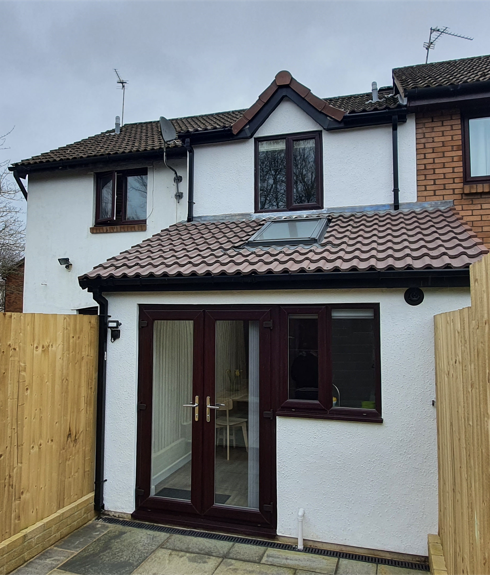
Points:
(362, 484)
(357, 165)
(60, 213)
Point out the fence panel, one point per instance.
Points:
(48, 371)
(463, 425)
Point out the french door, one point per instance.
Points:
(206, 432)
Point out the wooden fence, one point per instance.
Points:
(463, 427)
(48, 369)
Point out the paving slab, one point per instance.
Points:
(233, 567)
(80, 538)
(119, 551)
(170, 562)
(303, 561)
(389, 570)
(44, 562)
(198, 545)
(351, 567)
(244, 552)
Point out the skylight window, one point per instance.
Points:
(290, 232)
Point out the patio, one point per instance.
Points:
(101, 548)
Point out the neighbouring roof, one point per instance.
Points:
(365, 241)
(438, 74)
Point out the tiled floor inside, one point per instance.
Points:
(102, 549)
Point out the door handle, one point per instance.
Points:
(195, 405)
(210, 407)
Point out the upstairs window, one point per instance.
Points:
(121, 197)
(477, 147)
(288, 174)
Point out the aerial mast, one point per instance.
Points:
(123, 87)
(438, 32)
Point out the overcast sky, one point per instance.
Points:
(182, 58)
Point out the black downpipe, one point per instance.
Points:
(190, 176)
(20, 184)
(101, 401)
(396, 189)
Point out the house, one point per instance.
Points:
(267, 341)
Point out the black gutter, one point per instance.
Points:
(20, 184)
(366, 119)
(440, 94)
(101, 400)
(23, 170)
(190, 180)
(396, 189)
(449, 277)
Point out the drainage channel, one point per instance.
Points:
(264, 543)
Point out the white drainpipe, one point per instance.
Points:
(301, 514)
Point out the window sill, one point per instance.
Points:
(117, 229)
(476, 188)
(371, 416)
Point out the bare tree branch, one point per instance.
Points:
(12, 229)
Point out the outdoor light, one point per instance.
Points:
(65, 262)
(113, 325)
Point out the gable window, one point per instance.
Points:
(288, 173)
(476, 131)
(331, 365)
(121, 197)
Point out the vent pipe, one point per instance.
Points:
(118, 125)
(374, 88)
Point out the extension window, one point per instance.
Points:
(330, 361)
(121, 197)
(288, 173)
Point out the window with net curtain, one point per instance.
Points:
(288, 173)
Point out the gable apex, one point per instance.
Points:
(285, 80)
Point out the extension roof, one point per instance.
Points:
(364, 241)
(439, 74)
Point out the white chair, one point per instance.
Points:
(227, 422)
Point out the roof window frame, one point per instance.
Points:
(314, 238)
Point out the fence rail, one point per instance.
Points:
(48, 370)
(463, 426)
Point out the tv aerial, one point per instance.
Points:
(123, 87)
(438, 32)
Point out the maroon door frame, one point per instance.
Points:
(201, 511)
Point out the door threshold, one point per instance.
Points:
(266, 542)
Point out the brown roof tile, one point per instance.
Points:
(447, 73)
(387, 240)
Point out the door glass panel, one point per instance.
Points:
(303, 356)
(237, 419)
(172, 422)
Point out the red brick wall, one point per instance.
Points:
(440, 169)
(14, 290)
